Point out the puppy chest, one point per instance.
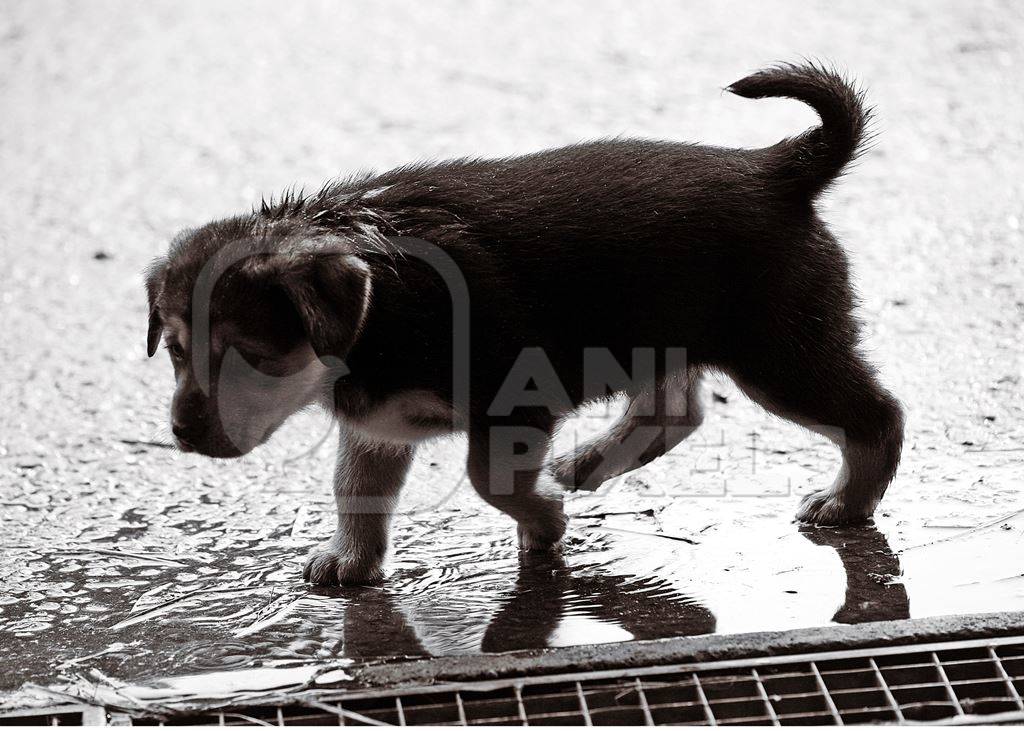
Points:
(406, 418)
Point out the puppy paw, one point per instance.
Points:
(543, 535)
(825, 507)
(329, 566)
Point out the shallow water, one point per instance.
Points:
(209, 579)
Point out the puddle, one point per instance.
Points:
(198, 583)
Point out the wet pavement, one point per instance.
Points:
(126, 560)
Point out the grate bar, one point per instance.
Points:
(587, 720)
(708, 713)
(949, 688)
(342, 713)
(887, 691)
(765, 699)
(1006, 718)
(644, 705)
(248, 719)
(400, 710)
(820, 681)
(518, 689)
(461, 708)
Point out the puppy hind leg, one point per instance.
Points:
(833, 392)
(654, 422)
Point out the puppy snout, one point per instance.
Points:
(188, 436)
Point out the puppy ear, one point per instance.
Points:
(154, 285)
(331, 292)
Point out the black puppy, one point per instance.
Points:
(495, 296)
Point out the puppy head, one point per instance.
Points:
(257, 321)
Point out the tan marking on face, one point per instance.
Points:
(175, 328)
(251, 405)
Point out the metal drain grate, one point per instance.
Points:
(977, 681)
(951, 681)
(55, 716)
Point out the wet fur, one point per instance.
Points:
(616, 244)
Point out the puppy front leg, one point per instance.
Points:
(367, 480)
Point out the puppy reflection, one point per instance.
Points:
(639, 608)
(554, 604)
(547, 592)
(870, 565)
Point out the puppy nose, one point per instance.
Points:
(182, 432)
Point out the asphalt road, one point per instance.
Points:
(124, 122)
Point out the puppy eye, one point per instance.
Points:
(264, 362)
(177, 352)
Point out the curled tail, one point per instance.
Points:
(812, 160)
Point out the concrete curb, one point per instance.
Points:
(680, 650)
